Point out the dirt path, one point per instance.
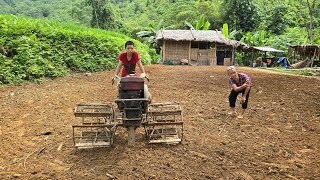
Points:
(279, 137)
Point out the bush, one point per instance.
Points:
(239, 58)
(168, 62)
(32, 49)
(155, 58)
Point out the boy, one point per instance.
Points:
(239, 83)
(129, 60)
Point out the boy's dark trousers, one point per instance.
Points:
(233, 98)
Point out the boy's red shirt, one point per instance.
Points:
(128, 66)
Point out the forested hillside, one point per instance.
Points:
(283, 21)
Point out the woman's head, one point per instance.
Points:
(232, 72)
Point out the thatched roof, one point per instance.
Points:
(197, 35)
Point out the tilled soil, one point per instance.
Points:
(279, 137)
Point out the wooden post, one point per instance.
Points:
(164, 51)
(199, 63)
(175, 54)
(215, 46)
(189, 56)
(313, 57)
(232, 59)
(319, 55)
(252, 56)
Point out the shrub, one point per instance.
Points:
(168, 62)
(32, 49)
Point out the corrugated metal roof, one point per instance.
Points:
(266, 48)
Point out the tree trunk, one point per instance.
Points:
(95, 12)
(311, 9)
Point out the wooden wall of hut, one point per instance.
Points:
(205, 57)
(174, 51)
(212, 56)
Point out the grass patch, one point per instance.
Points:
(302, 72)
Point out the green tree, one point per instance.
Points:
(80, 12)
(179, 12)
(210, 9)
(311, 7)
(277, 22)
(240, 14)
(291, 36)
(102, 14)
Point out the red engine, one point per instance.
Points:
(132, 83)
(131, 100)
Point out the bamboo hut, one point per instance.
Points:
(254, 50)
(197, 47)
(308, 52)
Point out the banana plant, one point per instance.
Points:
(201, 24)
(247, 38)
(225, 30)
(148, 35)
(189, 25)
(257, 39)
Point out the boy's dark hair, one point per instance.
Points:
(128, 43)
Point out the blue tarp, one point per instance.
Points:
(284, 62)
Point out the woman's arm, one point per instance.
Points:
(240, 88)
(246, 91)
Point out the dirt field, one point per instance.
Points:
(279, 138)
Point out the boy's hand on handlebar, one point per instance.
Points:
(114, 78)
(143, 75)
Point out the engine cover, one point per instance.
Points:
(132, 83)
